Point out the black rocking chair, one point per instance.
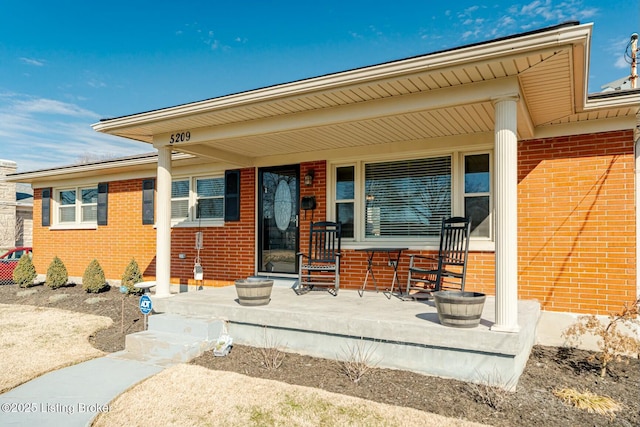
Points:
(320, 266)
(448, 270)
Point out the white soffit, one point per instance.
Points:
(549, 68)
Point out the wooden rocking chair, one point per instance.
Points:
(448, 270)
(320, 266)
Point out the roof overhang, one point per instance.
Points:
(438, 95)
(425, 98)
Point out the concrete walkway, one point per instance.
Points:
(73, 396)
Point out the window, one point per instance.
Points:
(67, 203)
(407, 198)
(477, 193)
(197, 199)
(78, 205)
(345, 198)
(180, 199)
(210, 198)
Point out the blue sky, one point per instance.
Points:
(66, 64)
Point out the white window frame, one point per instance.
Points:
(457, 200)
(78, 223)
(192, 219)
(463, 194)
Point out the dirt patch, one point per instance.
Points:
(533, 404)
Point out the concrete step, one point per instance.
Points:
(168, 347)
(204, 328)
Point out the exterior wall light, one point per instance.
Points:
(308, 178)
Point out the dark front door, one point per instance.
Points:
(278, 218)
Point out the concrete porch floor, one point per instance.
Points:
(393, 333)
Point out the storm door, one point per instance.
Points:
(278, 219)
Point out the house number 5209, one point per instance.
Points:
(180, 137)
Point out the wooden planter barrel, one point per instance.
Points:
(254, 292)
(459, 309)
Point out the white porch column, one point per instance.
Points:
(506, 195)
(163, 223)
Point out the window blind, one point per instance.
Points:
(408, 197)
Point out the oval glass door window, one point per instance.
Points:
(283, 205)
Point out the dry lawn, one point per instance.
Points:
(190, 395)
(36, 340)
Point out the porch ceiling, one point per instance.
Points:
(438, 95)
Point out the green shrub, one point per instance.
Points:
(93, 279)
(57, 275)
(25, 272)
(131, 276)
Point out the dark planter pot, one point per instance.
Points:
(254, 292)
(459, 309)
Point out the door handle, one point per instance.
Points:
(297, 220)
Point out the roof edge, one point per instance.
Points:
(322, 81)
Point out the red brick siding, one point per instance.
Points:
(576, 230)
(112, 245)
(576, 218)
(228, 252)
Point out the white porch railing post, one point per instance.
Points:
(506, 204)
(163, 224)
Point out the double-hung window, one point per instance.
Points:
(477, 193)
(194, 199)
(77, 205)
(345, 199)
(210, 198)
(180, 199)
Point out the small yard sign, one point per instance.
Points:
(145, 304)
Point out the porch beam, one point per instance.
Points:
(420, 101)
(163, 223)
(201, 150)
(506, 265)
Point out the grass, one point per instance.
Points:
(198, 396)
(36, 340)
(588, 401)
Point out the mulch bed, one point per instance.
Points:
(532, 404)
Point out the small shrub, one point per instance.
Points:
(93, 279)
(131, 276)
(490, 391)
(357, 362)
(269, 356)
(57, 275)
(25, 272)
(613, 343)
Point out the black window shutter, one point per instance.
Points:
(103, 191)
(46, 207)
(148, 186)
(232, 195)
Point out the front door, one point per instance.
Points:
(278, 219)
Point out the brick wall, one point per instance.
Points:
(112, 245)
(228, 252)
(576, 227)
(577, 222)
(576, 230)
